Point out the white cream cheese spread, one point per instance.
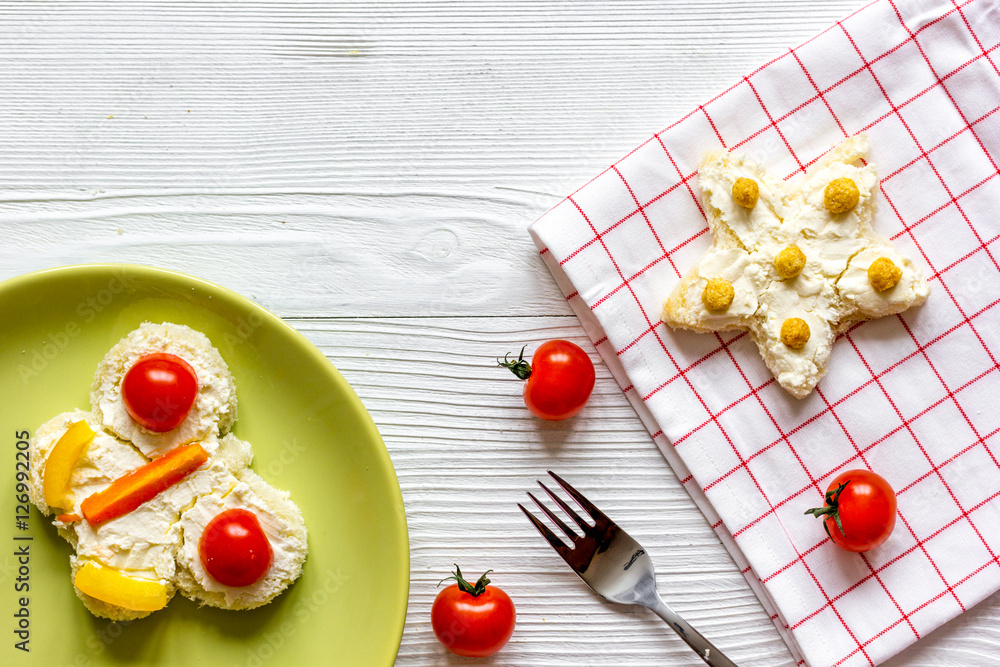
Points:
(157, 540)
(144, 541)
(833, 288)
(288, 545)
(214, 409)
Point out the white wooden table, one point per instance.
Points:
(367, 170)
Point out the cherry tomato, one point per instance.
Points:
(234, 549)
(474, 621)
(860, 510)
(559, 379)
(159, 391)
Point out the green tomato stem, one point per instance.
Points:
(832, 507)
(463, 585)
(520, 367)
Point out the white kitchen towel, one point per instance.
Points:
(913, 397)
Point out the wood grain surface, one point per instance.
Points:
(367, 170)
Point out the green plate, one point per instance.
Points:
(310, 435)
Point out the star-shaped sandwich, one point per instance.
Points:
(796, 264)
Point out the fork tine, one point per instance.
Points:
(602, 558)
(584, 526)
(590, 507)
(556, 520)
(550, 537)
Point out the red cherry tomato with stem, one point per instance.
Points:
(559, 379)
(159, 391)
(234, 548)
(860, 510)
(473, 621)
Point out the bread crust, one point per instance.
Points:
(228, 469)
(829, 289)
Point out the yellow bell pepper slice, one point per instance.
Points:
(61, 462)
(111, 586)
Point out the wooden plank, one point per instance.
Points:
(466, 450)
(343, 162)
(305, 254)
(321, 156)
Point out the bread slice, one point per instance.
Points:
(104, 609)
(824, 296)
(214, 410)
(40, 446)
(281, 520)
(160, 538)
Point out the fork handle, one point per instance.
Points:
(704, 648)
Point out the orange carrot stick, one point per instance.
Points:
(143, 484)
(68, 518)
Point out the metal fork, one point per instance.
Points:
(614, 565)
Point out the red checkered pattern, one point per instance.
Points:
(912, 397)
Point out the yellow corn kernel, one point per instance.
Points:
(718, 294)
(790, 262)
(883, 274)
(841, 195)
(795, 333)
(745, 192)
